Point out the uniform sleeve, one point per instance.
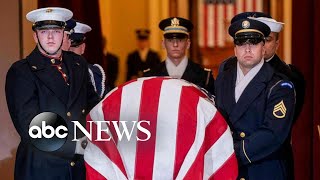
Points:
(22, 100)
(92, 96)
(275, 129)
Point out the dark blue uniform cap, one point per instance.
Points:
(245, 29)
(70, 24)
(142, 33)
(77, 39)
(175, 27)
(245, 15)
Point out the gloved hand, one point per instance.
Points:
(81, 145)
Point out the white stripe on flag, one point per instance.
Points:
(101, 163)
(211, 24)
(129, 111)
(165, 148)
(97, 114)
(218, 154)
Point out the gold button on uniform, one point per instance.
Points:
(69, 114)
(242, 134)
(53, 61)
(83, 111)
(72, 163)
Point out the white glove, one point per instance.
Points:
(81, 145)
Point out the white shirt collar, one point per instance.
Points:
(176, 71)
(243, 80)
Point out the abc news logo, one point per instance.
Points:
(48, 131)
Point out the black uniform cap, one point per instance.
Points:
(142, 34)
(175, 27)
(245, 29)
(70, 24)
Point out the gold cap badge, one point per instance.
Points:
(174, 22)
(49, 10)
(279, 110)
(245, 24)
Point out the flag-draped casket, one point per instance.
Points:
(170, 130)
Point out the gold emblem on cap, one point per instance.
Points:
(175, 22)
(49, 10)
(279, 110)
(245, 24)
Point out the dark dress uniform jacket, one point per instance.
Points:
(294, 75)
(261, 122)
(194, 73)
(136, 65)
(34, 86)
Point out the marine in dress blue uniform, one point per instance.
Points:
(96, 72)
(40, 83)
(261, 119)
(177, 28)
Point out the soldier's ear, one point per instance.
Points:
(162, 44)
(35, 37)
(189, 43)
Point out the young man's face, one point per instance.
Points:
(249, 55)
(50, 39)
(176, 47)
(272, 44)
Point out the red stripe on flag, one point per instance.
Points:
(109, 148)
(92, 174)
(148, 112)
(111, 110)
(228, 171)
(214, 130)
(187, 123)
(254, 5)
(196, 169)
(205, 24)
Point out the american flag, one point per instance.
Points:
(214, 18)
(189, 137)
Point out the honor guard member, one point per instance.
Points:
(49, 80)
(68, 30)
(258, 103)
(143, 57)
(271, 46)
(78, 46)
(176, 42)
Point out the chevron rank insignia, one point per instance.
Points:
(279, 110)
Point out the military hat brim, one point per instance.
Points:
(77, 39)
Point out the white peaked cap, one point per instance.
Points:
(81, 28)
(49, 13)
(274, 25)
